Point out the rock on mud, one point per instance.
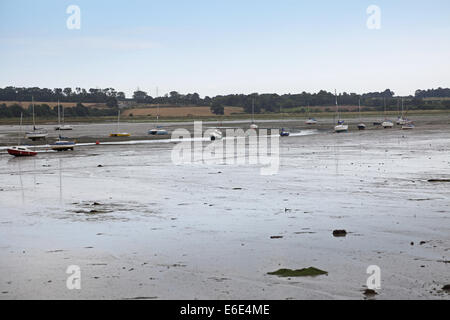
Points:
(339, 233)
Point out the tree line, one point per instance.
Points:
(109, 95)
(45, 111)
(258, 102)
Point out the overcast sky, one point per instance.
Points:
(221, 47)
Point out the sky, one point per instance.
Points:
(223, 47)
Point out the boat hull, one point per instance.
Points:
(119, 135)
(63, 128)
(21, 152)
(341, 128)
(36, 136)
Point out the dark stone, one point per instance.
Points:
(339, 233)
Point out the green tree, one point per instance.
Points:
(217, 108)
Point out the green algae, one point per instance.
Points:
(305, 272)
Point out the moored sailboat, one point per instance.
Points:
(118, 133)
(158, 131)
(63, 127)
(341, 126)
(21, 151)
(37, 133)
(361, 125)
(387, 124)
(253, 125)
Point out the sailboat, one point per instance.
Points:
(387, 124)
(341, 126)
(158, 131)
(37, 133)
(63, 126)
(283, 132)
(63, 145)
(401, 119)
(361, 125)
(118, 133)
(21, 151)
(310, 121)
(407, 124)
(253, 125)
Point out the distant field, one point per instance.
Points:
(179, 111)
(25, 104)
(437, 99)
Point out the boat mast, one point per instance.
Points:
(59, 116)
(253, 110)
(402, 107)
(20, 132)
(359, 108)
(157, 105)
(118, 120)
(337, 106)
(34, 121)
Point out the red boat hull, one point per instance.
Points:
(20, 153)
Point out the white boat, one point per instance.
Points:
(311, 120)
(387, 124)
(401, 120)
(341, 126)
(408, 126)
(158, 132)
(62, 145)
(37, 133)
(63, 127)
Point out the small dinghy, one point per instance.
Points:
(408, 126)
(361, 126)
(158, 132)
(118, 133)
(62, 145)
(388, 124)
(311, 121)
(341, 127)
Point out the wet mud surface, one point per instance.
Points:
(141, 227)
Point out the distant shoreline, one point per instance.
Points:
(239, 116)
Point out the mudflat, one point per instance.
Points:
(141, 227)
